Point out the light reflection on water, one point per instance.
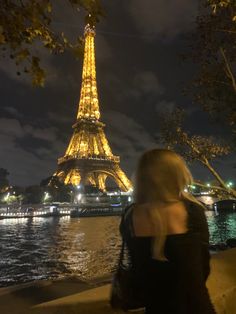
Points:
(222, 226)
(41, 248)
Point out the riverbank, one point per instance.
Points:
(70, 296)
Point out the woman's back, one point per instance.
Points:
(173, 216)
(176, 285)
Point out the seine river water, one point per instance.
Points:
(43, 248)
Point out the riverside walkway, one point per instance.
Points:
(73, 296)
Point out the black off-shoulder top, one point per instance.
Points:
(175, 286)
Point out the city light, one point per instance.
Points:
(46, 196)
(6, 198)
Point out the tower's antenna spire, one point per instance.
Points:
(89, 104)
(91, 20)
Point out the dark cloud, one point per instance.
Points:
(28, 166)
(148, 83)
(12, 111)
(9, 67)
(103, 49)
(128, 138)
(59, 118)
(11, 127)
(165, 106)
(24, 167)
(47, 134)
(163, 18)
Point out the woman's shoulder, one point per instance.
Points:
(197, 219)
(137, 220)
(149, 219)
(126, 219)
(196, 209)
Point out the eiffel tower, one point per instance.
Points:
(88, 159)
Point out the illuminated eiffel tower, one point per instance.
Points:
(88, 159)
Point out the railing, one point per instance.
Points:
(44, 211)
(115, 159)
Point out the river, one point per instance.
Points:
(46, 248)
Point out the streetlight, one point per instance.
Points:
(46, 196)
(230, 184)
(71, 196)
(7, 197)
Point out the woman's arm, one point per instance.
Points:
(198, 224)
(193, 277)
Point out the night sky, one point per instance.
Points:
(139, 74)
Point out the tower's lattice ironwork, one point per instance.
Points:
(88, 158)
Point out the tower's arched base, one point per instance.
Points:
(92, 171)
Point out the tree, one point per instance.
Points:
(193, 147)
(34, 195)
(4, 183)
(51, 181)
(25, 23)
(59, 191)
(213, 49)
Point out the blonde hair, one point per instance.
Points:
(161, 176)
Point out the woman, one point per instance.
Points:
(167, 237)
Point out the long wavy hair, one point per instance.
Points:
(161, 176)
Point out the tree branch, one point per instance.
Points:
(220, 82)
(225, 31)
(214, 187)
(219, 179)
(228, 69)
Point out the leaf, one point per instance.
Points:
(28, 23)
(22, 55)
(49, 7)
(2, 37)
(77, 51)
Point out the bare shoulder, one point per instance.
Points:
(176, 218)
(141, 220)
(177, 209)
(148, 217)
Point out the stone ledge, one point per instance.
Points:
(221, 285)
